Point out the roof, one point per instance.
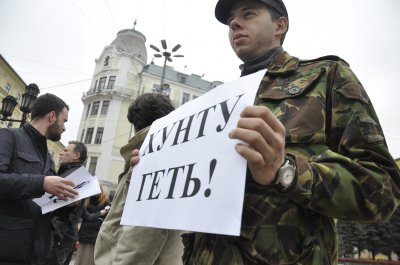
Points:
(190, 80)
(131, 41)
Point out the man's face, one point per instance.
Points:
(251, 30)
(68, 155)
(57, 128)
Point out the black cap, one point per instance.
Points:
(223, 8)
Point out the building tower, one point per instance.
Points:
(121, 74)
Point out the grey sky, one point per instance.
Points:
(52, 43)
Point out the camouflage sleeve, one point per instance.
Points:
(355, 177)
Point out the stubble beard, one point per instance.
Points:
(53, 133)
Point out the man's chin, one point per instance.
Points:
(55, 138)
(243, 54)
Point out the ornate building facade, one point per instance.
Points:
(121, 74)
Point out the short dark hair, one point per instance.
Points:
(275, 16)
(81, 149)
(47, 103)
(147, 108)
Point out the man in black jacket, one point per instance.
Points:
(66, 223)
(26, 172)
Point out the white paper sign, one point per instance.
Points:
(190, 177)
(86, 184)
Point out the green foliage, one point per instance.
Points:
(376, 238)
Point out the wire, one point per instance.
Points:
(115, 23)
(79, 81)
(33, 61)
(109, 10)
(88, 18)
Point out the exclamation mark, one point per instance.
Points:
(213, 163)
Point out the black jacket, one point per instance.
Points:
(66, 222)
(91, 221)
(24, 162)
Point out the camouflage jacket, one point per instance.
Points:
(344, 170)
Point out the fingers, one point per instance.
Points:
(66, 189)
(264, 142)
(66, 194)
(262, 131)
(266, 115)
(69, 193)
(134, 157)
(69, 187)
(60, 187)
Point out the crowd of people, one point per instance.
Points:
(314, 147)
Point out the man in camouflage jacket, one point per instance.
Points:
(317, 115)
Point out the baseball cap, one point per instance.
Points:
(223, 8)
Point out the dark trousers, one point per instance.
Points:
(62, 251)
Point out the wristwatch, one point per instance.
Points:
(286, 174)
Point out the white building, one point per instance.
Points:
(120, 75)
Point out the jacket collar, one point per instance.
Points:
(260, 62)
(65, 167)
(278, 62)
(283, 64)
(134, 143)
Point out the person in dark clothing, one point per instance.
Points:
(94, 211)
(66, 226)
(27, 172)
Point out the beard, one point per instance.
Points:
(53, 132)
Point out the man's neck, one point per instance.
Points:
(40, 127)
(260, 62)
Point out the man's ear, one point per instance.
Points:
(281, 26)
(52, 117)
(77, 156)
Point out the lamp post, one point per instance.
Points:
(9, 103)
(167, 57)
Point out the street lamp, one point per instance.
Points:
(9, 103)
(167, 57)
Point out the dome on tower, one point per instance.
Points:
(133, 42)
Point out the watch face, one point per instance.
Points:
(287, 175)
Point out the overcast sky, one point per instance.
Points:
(54, 43)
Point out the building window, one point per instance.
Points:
(111, 82)
(99, 135)
(95, 86)
(102, 83)
(104, 107)
(106, 60)
(182, 79)
(89, 135)
(83, 134)
(95, 108)
(88, 111)
(92, 165)
(185, 97)
(8, 88)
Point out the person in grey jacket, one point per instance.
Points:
(124, 245)
(26, 172)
